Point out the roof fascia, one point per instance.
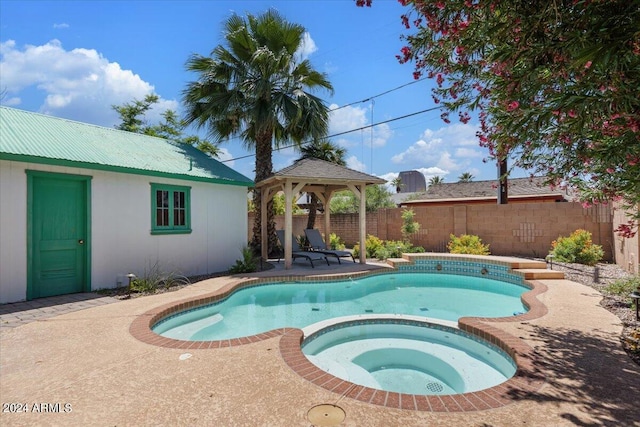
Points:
(119, 169)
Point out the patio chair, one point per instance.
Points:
(297, 252)
(318, 245)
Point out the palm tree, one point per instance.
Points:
(257, 87)
(397, 183)
(322, 149)
(435, 180)
(466, 177)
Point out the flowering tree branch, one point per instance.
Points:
(556, 85)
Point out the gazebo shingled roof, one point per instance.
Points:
(319, 177)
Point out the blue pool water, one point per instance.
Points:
(266, 307)
(408, 357)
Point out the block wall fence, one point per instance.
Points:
(518, 229)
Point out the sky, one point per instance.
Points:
(76, 59)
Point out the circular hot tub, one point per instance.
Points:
(408, 356)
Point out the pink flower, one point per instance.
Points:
(588, 65)
(572, 114)
(513, 105)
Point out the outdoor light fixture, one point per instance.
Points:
(130, 276)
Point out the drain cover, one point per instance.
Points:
(326, 415)
(435, 387)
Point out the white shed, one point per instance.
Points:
(81, 206)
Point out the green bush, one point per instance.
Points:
(383, 249)
(373, 244)
(577, 248)
(154, 278)
(335, 242)
(409, 226)
(248, 263)
(467, 244)
(395, 249)
(623, 287)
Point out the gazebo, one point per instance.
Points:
(319, 177)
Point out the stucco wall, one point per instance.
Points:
(627, 249)
(121, 241)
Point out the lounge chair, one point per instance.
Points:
(297, 252)
(318, 245)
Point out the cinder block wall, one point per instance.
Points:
(520, 229)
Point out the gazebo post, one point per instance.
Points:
(327, 215)
(288, 224)
(264, 239)
(361, 193)
(363, 224)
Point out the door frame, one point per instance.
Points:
(31, 174)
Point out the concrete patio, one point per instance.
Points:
(88, 362)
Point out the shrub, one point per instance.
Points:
(577, 248)
(467, 244)
(623, 287)
(335, 242)
(383, 249)
(409, 226)
(245, 265)
(154, 279)
(395, 249)
(373, 244)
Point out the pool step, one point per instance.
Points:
(539, 274)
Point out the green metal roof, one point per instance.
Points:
(36, 138)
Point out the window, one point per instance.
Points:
(170, 209)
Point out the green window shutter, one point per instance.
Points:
(170, 209)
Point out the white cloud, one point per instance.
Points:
(446, 161)
(60, 26)
(78, 84)
(348, 118)
(447, 149)
(307, 47)
(224, 156)
(355, 164)
(432, 171)
(470, 153)
(11, 101)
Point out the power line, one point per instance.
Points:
(380, 94)
(345, 132)
(371, 98)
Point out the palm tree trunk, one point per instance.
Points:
(264, 169)
(313, 209)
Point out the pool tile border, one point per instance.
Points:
(526, 380)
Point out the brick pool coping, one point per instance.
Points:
(526, 380)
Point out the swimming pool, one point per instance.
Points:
(266, 307)
(408, 356)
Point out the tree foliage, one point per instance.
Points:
(326, 150)
(435, 180)
(377, 197)
(409, 226)
(257, 87)
(132, 119)
(554, 84)
(466, 177)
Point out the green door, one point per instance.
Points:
(58, 229)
